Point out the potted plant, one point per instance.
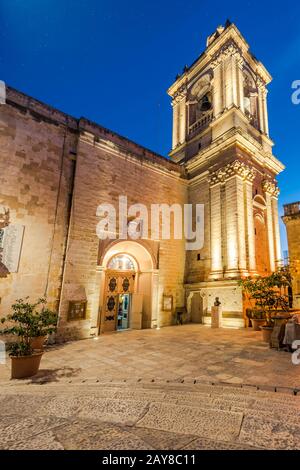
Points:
(269, 294)
(258, 319)
(44, 324)
(24, 323)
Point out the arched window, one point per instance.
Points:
(200, 101)
(121, 262)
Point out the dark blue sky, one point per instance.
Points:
(112, 61)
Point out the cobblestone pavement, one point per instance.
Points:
(144, 416)
(185, 387)
(188, 352)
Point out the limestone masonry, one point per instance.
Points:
(55, 170)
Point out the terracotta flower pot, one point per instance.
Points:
(266, 333)
(37, 342)
(257, 323)
(25, 366)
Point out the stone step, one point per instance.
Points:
(230, 415)
(220, 397)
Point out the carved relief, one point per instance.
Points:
(229, 49)
(11, 238)
(235, 168)
(4, 222)
(271, 188)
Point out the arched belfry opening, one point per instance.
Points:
(127, 297)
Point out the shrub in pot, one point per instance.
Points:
(44, 324)
(23, 323)
(258, 319)
(270, 294)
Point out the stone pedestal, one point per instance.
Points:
(216, 316)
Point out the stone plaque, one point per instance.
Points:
(11, 244)
(77, 310)
(167, 303)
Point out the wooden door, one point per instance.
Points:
(116, 282)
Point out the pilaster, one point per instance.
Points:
(216, 229)
(270, 190)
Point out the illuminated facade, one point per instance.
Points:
(221, 135)
(291, 219)
(56, 169)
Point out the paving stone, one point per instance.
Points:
(269, 433)
(25, 404)
(45, 441)
(192, 352)
(27, 427)
(190, 420)
(162, 440)
(98, 436)
(210, 444)
(126, 412)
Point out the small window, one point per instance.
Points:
(198, 257)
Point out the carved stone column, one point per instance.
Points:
(235, 220)
(269, 189)
(215, 228)
(250, 233)
(182, 119)
(175, 138)
(228, 82)
(277, 243)
(218, 89)
(261, 113)
(265, 111)
(179, 117)
(240, 83)
(97, 299)
(155, 299)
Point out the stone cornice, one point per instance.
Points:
(235, 168)
(230, 34)
(173, 171)
(236, 136)
(38, 108)
(288, 218)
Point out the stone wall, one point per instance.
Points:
(292, 223)
(35, 185)
(105, 170)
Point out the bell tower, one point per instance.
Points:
(221, 136)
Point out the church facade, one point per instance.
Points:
(56, 170)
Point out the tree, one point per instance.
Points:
(269, 293)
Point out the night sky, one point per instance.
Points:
(112, 62)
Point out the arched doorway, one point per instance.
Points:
(128, 296)
(120, 285)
